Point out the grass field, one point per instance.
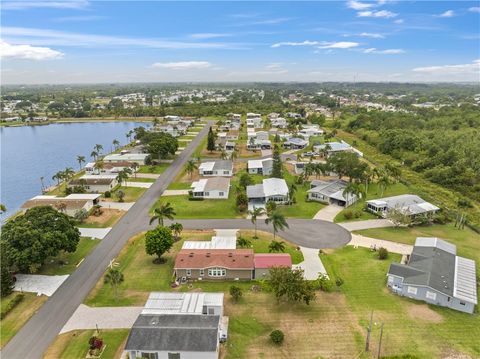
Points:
(74, 344)
(157, 169)
(410, 327)
(138, 179)
(131, 193)
(15, 320)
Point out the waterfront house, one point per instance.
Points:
(211, 188)
(68, 205)
(408, 204)
(331, 192)
(127, 157)
(222, 168)
(95, 183)
(108, 167)
(261, 167)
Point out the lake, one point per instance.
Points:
(31, 152)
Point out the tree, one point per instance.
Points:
(115, 144)
(41, 232)
(164, 211)
(289, 285)
(114, 277)
(242, 201)
(98, 148)
(277, 336)
(399, 217)
(278, 222)
(277, 167)
(292, 188)
(234, 155)
(99, 166)
(382, 253)
(190, 167)
(134, 167)
(6, 279)
(58, 177)
(352, 189)
(270, 206)
(254, 214)
(81, 215)
(120, 195)
(276, 246)
(383, 183)
(122, 176)
(158, 241)
(210, 141)
(176, 228)
(243, 242)
(245, 180)
(80, 160)
(94, 155)
(347, 164)
(236, 293)
(3, 209)
(223, 155)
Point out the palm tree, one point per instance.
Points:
(276, 246)
(98, 148)
(255, 213)
(80, 160)
(3, 209)
(190, 167)
(134, 167)
(383, 182)
(234, 155)
(58, 177)
(68, 173)
(99, 165)
(121, 176)
(165, 210)
(278, 222)
(223, 155)
(126, 173)
(243, 242)
(291, 191)
(176, 228)
(120, 195)
(94, 155)
(368, 177)
(115, 143)
(354, 189)
(114, 277)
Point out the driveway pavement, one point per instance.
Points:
(328, 213)
(312, 265)
(98, 233)
(175, 192)
(123, 206)
(371, 223)
(367, 242)
(139, 184)
(147, 175)
(86, 317)
(40, 284)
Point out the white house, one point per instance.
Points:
(216, 168)
(254, 122)
(108, 168)
(310, 130)
(271, 189)
(69, 204)
(295, 143)
(336, 147)
(331, 192)
(261, 167)
(279, 122)
(129, 157)
(409, 204)
(211, 188)
(95, 183)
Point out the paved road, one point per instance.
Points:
(37, 334)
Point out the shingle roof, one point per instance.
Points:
(269, 260)
(208, 258)
(174, 332)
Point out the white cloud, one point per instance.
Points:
(472, 68)
(380, 13)
(373, 50)
(289, 43)
(27, 52)
(65, 4)
(448, 13)
(357, 5)
(183, 65)
(80, 18)
(271, 21)
(371, 35)
(339, 45)
(399, 21)
(474, 9)
(208, 35)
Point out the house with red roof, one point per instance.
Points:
(263, 262)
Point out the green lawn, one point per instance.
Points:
(131, 193)
(157, 169)
(410, 327)
(66, 263)
(180, 185)
(466, 240)
(74, 344)
(138, 179)
(373, 193)
(11, 324)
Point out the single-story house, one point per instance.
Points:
(259, 135)
(409, 204)
(217, 242)
(230, 146)
(95, 183)
(435, 274)
(254, 122)
(265, 261)
(214, 264)
(184, 303)
(295, 143)
(253, 115)
(128, 157)
(272, 189)
(108, 168)
(211, 188)
(336, 147)
(279, 122)
(234, 116)
(261, 167)
(310, 130)
(232, 135)
(256, 144)
(331, 192)
(69, 204)
(222, 168)
(172, 130)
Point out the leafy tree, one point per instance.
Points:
(41, 232)
(324, 283)
(254, 214)
(270, 207)
(80, 160)
(382, 253)
(243, 242)
(245, 180)
(81, 215)
(347, 164)
(399, 217)
(242, 201)
(158, 241)
(210, 141)
(160, 146)
(120, 195)
(277, 220)
(190, 167)
(277, 336)
(290, 285)
(236, 293)
(276, 246)
(164, 211)
(277, 167)
(6, 280)
(176, 228)
(353, 189)
(114, 277)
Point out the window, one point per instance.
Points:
(189, 272)
(462, 303)
(150, 355)
(206, 194)
(221, 194)
(211, 311)
(431, 295)
(173, 355)
(412, 290)
(225, 172)
(202, 272)
(217, 272)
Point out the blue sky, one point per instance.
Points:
(82, 41)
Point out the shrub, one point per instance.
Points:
(236, 293)
(11, 305)
(348, 214)
(324, 284)
(107, 194)
(339, 282)
(357, 213)
(277, 336)
(382, 253)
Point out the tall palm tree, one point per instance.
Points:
(114, 277)
(291, 191)
(383, 182)
(80, 160)
(122, 176)
(134, 167)
(190, 167)
(234, 155)
(276, 246)
(58, 177)
(99, 165)
(278, 222)
(98, 148)
(176, 228)
(354, 189)
(94, 155)
(255, 213)
(367, 177)
(68, 173)
(115, 143)
(164, 211)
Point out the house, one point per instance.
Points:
(310, 130)
(216, 168)
(261, 167)
(232, 135)
(295, 143)
(217, 242)
(336, 147)
(214, 264)
(436, 275)
(69, 204)
(253, 115)
(108, 168)
(230, 146)
(299, 167)
(265, 261)
(331, 192)
(273, 115)
(234, 116)
(406, 203)
(95, 183)
(271, 189)
(259, 135)
(211, 188)
(255, 144)
(254, 122)
(128, 157)
(172, 130)
(279, 122)
(184, 303)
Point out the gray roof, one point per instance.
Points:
(409, 203)
(174, 332)
(255, 191)
(223, 165)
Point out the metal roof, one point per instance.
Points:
(217, 242)
(410, 203)
(465, 283)
(180, 303)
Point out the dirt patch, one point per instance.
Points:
(423, 312)
(107, 215)
(450, 354)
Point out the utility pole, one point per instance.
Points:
(369, 331)
(380, 342)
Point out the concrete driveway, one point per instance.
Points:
(175, 192)
(98, 233)
(139, 184)
(122, 206)
(328, 213)
(367, 242)
(312, 265)
(40, 284)
(371, 223)
(147, 175)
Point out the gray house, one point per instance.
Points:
(222, 168)
(262, 167)
(331, 192)
(436, 275)
(406, 203)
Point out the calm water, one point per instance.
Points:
(28, 153)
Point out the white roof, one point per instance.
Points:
(181, 303)
(92, 196)
(465, 283)
(216, 242)
(206, 166)
(108, 176)
(44, 197)
(126, 157)
(255, 163)
(437, 243)
(199, 186)
(275, 186)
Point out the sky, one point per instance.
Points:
(80, 41)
